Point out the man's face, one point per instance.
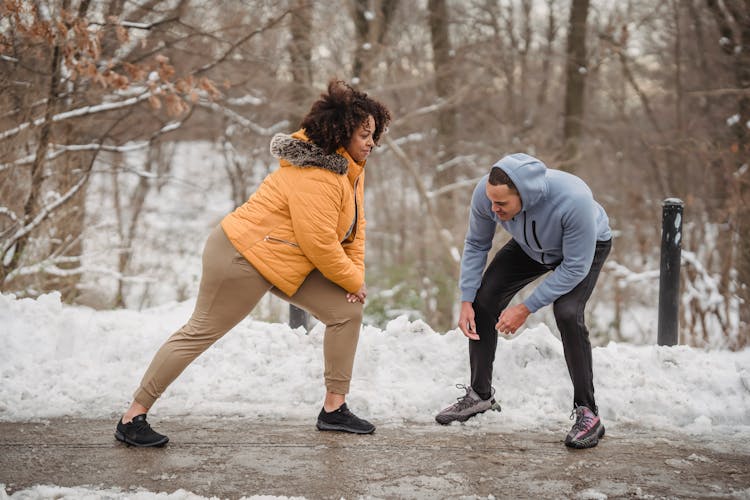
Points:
(505, 202)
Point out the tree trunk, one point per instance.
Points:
(370, 30)
(575, 86)
(444, 88)
(446, 127)
(33, 203)
(734, 29)
(550, 35)
(362, 40)
(525, 46)
(742, 68)
(67, 225)
(300, 52)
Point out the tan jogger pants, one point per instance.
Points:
(230, 288)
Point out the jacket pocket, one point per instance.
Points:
(272, 239)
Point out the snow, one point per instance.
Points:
(84, 493)
(60, 360)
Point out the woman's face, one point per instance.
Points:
(361, 143)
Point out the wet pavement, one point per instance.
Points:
(231, 458)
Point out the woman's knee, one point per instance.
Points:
(352, 312)
(346, 313)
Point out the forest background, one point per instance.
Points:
(129, 127)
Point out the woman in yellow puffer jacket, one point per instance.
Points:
(301, 236)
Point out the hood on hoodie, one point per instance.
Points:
(529, 176)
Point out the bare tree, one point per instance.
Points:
(733, 22)
(300, 50)
(575, 78)
(372, 19)
(42, 225)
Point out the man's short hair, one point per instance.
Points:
(499, 177)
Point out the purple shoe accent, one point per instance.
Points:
(587, 430)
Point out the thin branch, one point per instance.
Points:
(138, 26)
(233, 115)
(60, 149)
(452, 187)
(455, 162)
(86, 110)
(440, 104)
(720, 92)
(239, 42)
(50, 266)
(445, 236)
(43, 214)
(9, 214)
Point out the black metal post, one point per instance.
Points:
(669, 274)
(297, 317)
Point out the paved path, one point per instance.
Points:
(231, 458)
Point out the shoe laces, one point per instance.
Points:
(583, 418)
(141, 426)
(345, 411)
(464, 401)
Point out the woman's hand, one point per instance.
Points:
(359, 296)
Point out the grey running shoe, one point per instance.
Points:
(466, 407)
(587, 430)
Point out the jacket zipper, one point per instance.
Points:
(279, 240)
(525, 239)
(533, 232)
(356, 213)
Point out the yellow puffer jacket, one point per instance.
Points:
(302, 217)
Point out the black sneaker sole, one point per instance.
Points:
(158, 444)
(587, 443)
(323, 426)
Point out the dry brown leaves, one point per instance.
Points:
(80, 45)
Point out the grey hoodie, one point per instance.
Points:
(558, 225)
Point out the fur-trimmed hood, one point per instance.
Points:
(301, 153)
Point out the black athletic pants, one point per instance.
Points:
(510, 270)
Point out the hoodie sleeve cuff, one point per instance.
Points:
(468, 295)
(532, 305)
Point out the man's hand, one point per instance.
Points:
(466, 321)
(512, 318)
(359, 296)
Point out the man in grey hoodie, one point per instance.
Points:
(556, 225)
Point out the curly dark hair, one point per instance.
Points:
(333, 119)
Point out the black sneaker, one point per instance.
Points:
(343, 420)
(139, 433)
